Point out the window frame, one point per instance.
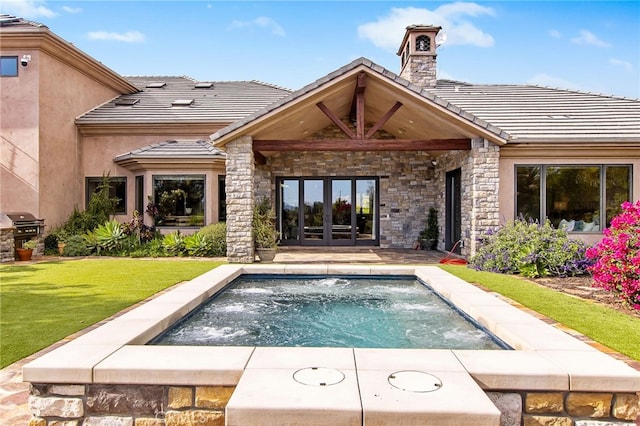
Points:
(194, 176)
(121, 208)
(17, 62)
(543, 189)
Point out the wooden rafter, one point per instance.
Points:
(383, 120)
(334, 118)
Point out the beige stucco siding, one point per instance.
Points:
(99, 153)
(65, 93)
(19, 136)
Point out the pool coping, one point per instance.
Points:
(545, 357)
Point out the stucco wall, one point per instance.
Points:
(97, 157)
(39, 142)
(19, 136)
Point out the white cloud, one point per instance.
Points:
(72, 10)
(587, 37)
(555, 33)
(628, 66)
(553, 81)
(30, 9)
(385, 32)
(260, 22)
(128, 37)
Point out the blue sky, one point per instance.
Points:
(589, 45)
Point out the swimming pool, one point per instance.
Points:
(330, 311)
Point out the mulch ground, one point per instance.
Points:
(583, 288)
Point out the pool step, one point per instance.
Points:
(316, 386)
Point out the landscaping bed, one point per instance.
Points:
(582, 287)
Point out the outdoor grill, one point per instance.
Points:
(26, 225)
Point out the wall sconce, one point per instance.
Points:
(434, 162)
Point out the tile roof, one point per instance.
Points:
(223, 102)
(12, 21)
(536, 113)
(173, 149)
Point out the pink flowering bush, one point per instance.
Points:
(617, 256)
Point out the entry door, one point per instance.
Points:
(328, 211)
(453, 220)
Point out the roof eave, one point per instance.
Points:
(42, 38)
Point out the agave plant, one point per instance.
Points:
(110, 236)
(198, 244)
(173, 243)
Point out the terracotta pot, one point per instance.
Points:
(24, 254)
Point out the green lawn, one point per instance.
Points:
(42, 303)
(602, 324)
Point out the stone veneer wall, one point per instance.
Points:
(166, 405)
(420, 70)
(7, 245)
(407, 187)
(240, 170)
(479, 187)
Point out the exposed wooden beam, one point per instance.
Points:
(259, 158)
(383, 119)
(362, 145)
(334, 118)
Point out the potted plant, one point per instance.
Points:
(265, 236)
(429, 235)
(26, 251)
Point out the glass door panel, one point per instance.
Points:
(366, 209)
(341, 210)
(313, 196)
(289, 216)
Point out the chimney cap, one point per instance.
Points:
(435, 29)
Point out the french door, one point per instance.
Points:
(328, 211)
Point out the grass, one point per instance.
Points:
(602, 324)
(42, 303)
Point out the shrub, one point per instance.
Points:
(532, 250)
(198, 245)
(173, 243)
(218, 235)
(617, 256)
(75, 246)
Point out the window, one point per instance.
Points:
(575, 198)
(179, 200)
(118, 189)
(9, 66)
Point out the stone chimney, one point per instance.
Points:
(418, 55)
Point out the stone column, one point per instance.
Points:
(240, 200)
(482, 192)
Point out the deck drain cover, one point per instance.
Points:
(415, 381)
(318, 376)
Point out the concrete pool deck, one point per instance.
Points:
(547, 359)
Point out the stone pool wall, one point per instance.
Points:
(165, 405)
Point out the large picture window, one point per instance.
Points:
(117, 189)
(179, 200)
(576, 198)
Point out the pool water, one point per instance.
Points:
(368, 312)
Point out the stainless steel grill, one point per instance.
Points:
(26, 225)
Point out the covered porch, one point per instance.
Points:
(357, 159)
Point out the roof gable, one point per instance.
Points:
(422, 114)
